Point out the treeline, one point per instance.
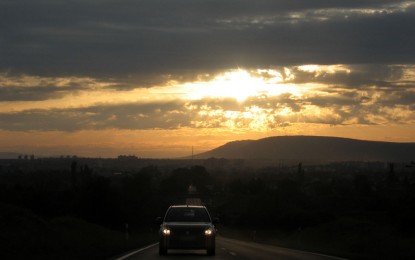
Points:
(79, 191)
(297, 200)
(363, 211)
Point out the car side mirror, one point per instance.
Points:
(216, 221)
(159, 220)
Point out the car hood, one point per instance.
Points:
(187, 224)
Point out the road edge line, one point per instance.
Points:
(136, 251)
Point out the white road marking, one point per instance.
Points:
(230, 252)
(136, 251)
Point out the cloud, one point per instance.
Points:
(126, 116)
(342, 107)
(117, 39)
(35, 88)
(356, 76)
(330, 94)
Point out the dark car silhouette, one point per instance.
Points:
(187, 227)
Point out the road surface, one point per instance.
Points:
(228, 249)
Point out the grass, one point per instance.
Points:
(25, 235)
(346, 237)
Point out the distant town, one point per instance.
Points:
(126, 164)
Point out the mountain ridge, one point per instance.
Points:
(313, 148)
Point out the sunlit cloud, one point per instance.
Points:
(320, 69)
(204, 109)
(237, 100)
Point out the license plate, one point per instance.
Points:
(188, 238)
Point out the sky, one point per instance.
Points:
(154, 78)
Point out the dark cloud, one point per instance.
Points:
(31, 93)
(353, 75)
(34, 88)
(154, 37)
(167, 115)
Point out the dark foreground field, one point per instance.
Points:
(25, 235)
(75, 211)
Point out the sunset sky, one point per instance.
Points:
(155, 77)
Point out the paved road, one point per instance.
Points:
(229, 249)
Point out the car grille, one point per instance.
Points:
(187, 237)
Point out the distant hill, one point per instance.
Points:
(313, 148)
(8, 155)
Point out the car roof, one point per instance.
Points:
(187, 206)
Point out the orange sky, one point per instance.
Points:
(168, 119)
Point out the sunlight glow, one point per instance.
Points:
(241, 84)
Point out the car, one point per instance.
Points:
(187, 227)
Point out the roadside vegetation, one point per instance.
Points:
(25, 235)
(77, 212)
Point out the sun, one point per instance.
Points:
(239, 84)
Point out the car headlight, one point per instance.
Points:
(208, 232)
(166, 231)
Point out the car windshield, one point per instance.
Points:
(187, 215)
